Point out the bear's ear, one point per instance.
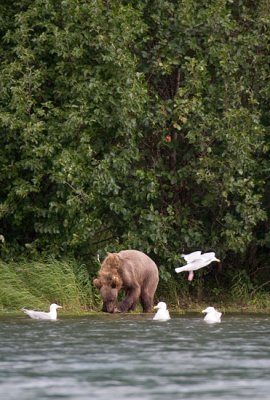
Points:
(97, 283)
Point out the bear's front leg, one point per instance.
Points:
(146, 300)
(130, 300)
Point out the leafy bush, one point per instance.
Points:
(131, 124)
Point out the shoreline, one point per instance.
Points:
(237, 310)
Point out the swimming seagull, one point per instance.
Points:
(162, 313)
(52, 314)
(196, 260)
(212, 315)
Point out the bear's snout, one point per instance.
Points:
(109, 308)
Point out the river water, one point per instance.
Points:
(133, 357)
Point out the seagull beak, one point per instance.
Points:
(155, 306)
(217, 260)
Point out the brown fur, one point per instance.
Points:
(109, 273)
(132, 271)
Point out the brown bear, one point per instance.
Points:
(132, 271)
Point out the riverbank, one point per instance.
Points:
(37, 284)
(174, 310)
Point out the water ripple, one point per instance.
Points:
(133, 356)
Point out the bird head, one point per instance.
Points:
(208, 310)
(161, 306)
(54, 306)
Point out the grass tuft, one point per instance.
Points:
(38, 284)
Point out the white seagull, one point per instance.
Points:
(212, 315)
(162, 313)
(52, 314)
(196, 260)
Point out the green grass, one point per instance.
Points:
(238, 296)
(38, 284)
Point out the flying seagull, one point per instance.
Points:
(162, 313)
(212, 315)
(196, 260)
(51, 315)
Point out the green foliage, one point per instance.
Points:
(199, 68)
(135, 124)
(71, 97)
(242, 285)
(38, 284)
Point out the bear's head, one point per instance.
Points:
(109, 281)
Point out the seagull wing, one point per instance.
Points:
(36, 314)
(198, 263)
(42, 315)
(202, 261)
(192, 256)
(208, 255)
(31, 313)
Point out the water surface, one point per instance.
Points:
(132, 356)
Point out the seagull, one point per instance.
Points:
(212, 315)
(162, 313)
(196, 260)
(52, 314)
